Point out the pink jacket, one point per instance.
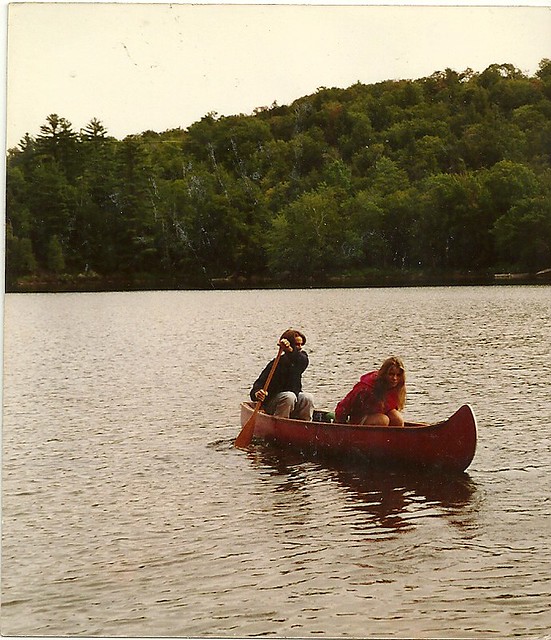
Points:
(360, 401)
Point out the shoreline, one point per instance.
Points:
(81, 283)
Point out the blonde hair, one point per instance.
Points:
(380, 385)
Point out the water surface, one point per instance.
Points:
(127, 512)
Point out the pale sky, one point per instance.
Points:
(157, 66)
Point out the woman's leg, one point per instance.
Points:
(395, 418)
(379, 419)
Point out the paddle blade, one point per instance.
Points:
(245, 436)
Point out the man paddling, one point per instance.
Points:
(285, 397)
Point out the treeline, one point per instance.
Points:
(448, 173)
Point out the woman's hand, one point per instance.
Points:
(261, 395)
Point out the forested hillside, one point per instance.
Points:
(445, 174)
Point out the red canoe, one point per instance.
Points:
(447, 445)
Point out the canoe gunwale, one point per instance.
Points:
(410, 426)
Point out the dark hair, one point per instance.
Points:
(291, 335)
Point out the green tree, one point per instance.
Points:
(51, 204)
(452, 231)
(58, 141)
(96, 231)
(56, 261)
(20, 258)
(135, 201)
(506, 183)
(369, 244)
(544, 75)
(386, 177)
(309, 236)
(401, 208)
(523, 234)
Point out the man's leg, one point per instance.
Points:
(282, 404)
(304, 408)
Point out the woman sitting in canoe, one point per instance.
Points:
(286, 397)
(377, 398)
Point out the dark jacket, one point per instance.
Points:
(287, 376)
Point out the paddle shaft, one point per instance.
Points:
(246, 435)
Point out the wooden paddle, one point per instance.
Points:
(244, 438)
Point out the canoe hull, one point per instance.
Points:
(447, 445)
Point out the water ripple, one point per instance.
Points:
(128, 512)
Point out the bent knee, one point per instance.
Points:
(286, 397)
(395, 419)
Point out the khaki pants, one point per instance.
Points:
(287, 405)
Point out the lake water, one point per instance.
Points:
(127, 511)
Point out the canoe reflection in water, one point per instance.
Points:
(387, 500)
